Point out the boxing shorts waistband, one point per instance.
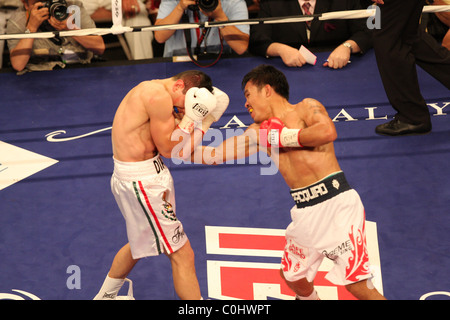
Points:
(320, 191)
(137, 170)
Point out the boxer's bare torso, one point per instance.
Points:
(145, 120)
(301, 167)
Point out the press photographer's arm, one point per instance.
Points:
(174, 17)
(92, 43)
(37, 14)
(22, 51)
(233, 36)
(236, 39)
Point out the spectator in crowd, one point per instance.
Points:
(342, 37)
(135, 14)
(152, 8)
(235, 38)
(45, 54)
(253, 8)
(7, 8)
(366, 3)
(439, 25)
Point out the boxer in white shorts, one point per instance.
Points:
(145, 194)
(328, 220)
(160, 117)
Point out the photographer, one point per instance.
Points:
(7, 8)
(45, 54)
(235, 37)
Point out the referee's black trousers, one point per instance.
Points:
(399, 45)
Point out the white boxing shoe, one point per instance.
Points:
(129, 296)
(113, 295)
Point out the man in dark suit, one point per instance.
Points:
(342, 37)
(399, 45)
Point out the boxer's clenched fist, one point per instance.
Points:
(278, 135)
(198, 104)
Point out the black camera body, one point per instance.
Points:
(57, 9)
(205, 5)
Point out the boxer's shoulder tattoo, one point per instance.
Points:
(315, 106)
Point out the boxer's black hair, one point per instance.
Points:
(266, 74)
(194, 78)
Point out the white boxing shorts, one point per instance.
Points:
(327, 221)
(144, 192)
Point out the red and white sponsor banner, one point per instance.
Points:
(238, 280)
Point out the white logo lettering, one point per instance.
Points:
(372, 114)
(74, 280)
(438, 109)
(10, 296)
(234, 120)
(74, 20)
(51, 136)
(435, 293)
(374, 21)
(344, 114)
(309, 194)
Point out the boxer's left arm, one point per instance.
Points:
(237, 147)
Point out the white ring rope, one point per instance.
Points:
(117, 27)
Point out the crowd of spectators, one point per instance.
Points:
(342, 38)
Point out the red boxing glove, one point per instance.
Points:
(263, 133)
(278, 135)
(274, 127)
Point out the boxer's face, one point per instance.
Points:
(255, 102)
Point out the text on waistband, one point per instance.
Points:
(309, 194)
(159, 165)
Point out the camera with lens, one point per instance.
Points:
(56, 8)
(205, 5)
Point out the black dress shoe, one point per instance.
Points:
(399, 128)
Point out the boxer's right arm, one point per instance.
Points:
(319, 127)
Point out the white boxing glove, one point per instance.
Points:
(222, 101)
(198, 104)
